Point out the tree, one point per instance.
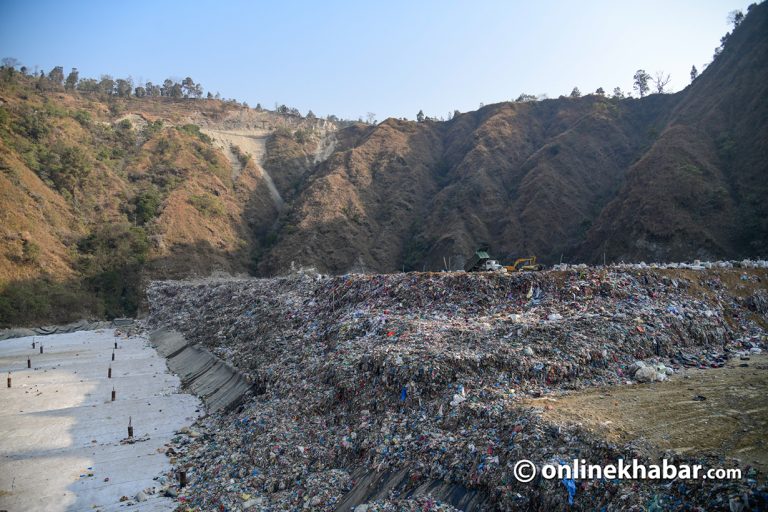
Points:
(694, 73)
(617, 93)
(370, 117)
(209, 96)
(310, 114)
(106, 85)
(165, 90)
(661, 81)
(42, 83)
(153, 90)
(641, 82)
(720, 48)
(71, 81)
(600, 91)
(420, 116)
(88, 85)
(735, 17)
(524, 98)
(140, 92)
(176, 91)
(10, 62)
(575, 93)
(147, 206)
(65, 166)
(56, 75)
(188, 87)
(9, 67)
(123, 87)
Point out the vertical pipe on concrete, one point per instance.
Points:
(9, 379)
(41, 348)
(109, 373)
(29, 362)
(113, 355)
(130, 427)
(113, 393)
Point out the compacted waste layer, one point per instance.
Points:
(427, 373)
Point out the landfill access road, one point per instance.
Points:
(63, 441)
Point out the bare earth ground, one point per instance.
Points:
(732, 420)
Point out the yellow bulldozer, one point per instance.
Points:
(521, 264)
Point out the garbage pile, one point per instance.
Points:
(419, 504)
(425, 372)
(695, 265)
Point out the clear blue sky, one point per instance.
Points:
(388, 57)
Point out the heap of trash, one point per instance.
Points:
(421, 376)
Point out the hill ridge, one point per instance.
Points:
(102, 193)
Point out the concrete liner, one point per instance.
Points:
(371, 486)
(220, 386)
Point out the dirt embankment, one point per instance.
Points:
(723, 412)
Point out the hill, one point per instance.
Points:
(101, 193)
(662, 178)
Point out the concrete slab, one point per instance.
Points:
(60, 432)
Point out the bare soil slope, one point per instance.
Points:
(722, 412)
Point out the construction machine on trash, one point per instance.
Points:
(481, 261)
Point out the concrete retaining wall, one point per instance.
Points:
(372, 486)
(220, 386)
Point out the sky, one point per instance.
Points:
(392, 58)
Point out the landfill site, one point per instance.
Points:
(419, 391)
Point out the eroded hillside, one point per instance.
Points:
(101, 193)
(667, 177)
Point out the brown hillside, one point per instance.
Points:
(700, 189)
(666, 177)
(100, 193)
